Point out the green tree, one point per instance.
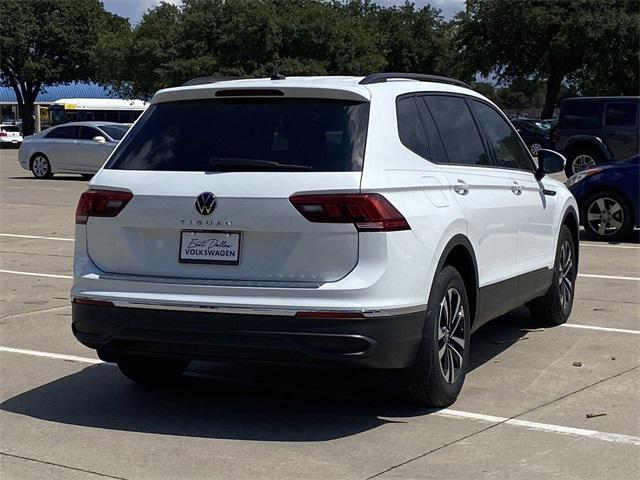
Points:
(550, 40)
(416, 40)
(47, 42)
(248, 38)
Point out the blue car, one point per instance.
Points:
(608, 197)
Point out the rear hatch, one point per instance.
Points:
(211, 181)
(9, 131)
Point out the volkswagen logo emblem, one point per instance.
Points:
(206, 203)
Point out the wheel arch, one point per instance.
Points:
(459, 253)
(570, 218)
(587, 141)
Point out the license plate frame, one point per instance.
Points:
(212, 234)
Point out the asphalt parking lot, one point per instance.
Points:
(538, 403)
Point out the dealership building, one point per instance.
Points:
(48, 95)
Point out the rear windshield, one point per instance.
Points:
(115, 131)
(225, 135)
(9, 128)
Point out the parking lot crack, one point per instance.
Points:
(104, 475)
(497, 424)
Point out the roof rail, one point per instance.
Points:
(205, 80)
(383, 77)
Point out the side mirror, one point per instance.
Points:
(549, 162)
(99, 139)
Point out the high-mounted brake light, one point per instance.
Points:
(369, 212)
(101, 203)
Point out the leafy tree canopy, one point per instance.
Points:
(48, 42)
(593, 42)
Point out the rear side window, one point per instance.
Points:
(410, 128)
(438, 153)
(87, 133)
(507, 148)
(68, 132)
(458, 130)
(259, 134)
(115, 131)
(620, 114)
(581, 114)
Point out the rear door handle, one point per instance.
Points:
(461, 188)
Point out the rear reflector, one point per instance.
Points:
(96, 303)
(330, 314)
(369, 212)
(101, 203)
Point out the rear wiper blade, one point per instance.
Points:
(253, 162)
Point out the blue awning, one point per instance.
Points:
(51, 93)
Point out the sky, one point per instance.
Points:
(134, 9)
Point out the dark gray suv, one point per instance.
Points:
(593, 130)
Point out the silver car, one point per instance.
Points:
(80, 147)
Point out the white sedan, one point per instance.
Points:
(10, 136)
(80, 147)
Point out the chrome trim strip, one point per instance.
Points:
(207, 282)
(190, 307)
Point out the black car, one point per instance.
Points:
(534, 136)
(594, 130)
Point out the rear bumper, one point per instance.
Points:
(386, 342)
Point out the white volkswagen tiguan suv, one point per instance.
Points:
(360, 222)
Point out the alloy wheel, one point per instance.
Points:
(535, 148)
(605, 216)
(565, 275)
(451, 335)
(582, 162)
(40, 166)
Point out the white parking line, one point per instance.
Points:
(544, 427)
(53, 356)
(33, 274)
(37, 187)
(36, 237)
(608, 277)
(603, 329)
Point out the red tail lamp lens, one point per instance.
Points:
(369, 212)
(101, 203)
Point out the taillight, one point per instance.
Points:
(369, 212)
(3, 134)
(100, 203)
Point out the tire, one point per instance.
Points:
(581, 158)
(444, 342)
(151, 370)
(554, 308)
(40, 166)
(607, 216)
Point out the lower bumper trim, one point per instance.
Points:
(389, 342)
